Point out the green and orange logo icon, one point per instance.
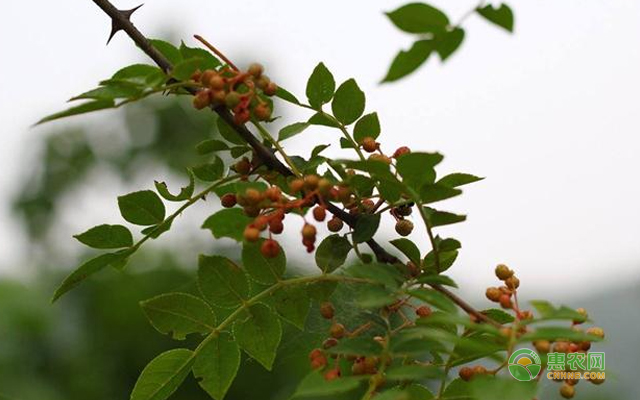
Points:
(524, 365)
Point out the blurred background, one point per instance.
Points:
(549, 115)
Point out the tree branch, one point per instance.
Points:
(266, 155)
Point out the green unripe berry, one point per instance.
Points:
(232, 99)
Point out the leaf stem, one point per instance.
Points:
(270, 290)
(266, 135)
(432, 239)
(194, 199)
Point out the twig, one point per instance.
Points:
(265, 154)
(216, 51)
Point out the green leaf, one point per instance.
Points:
(240, 187)
(477, 346)
(548, 312)
(434, 298)
(485, 388)
(113, 90)
(458, 179)
(374, 297)
(320, 86)
(211, 146)
(290, 131)
(208, 60)
(81, 109)
(395, 393)
(501, 16)
(292, 304)
(557, 332)
(362, 185)
(407, 61)
(259, 334)
(319, 149)
(185, 192)
(322, 290)
(348, 102)
(366, 227)
(448, 244)
(458, 390)
(360, 346)
(413, 372)
(433, 279)
(211, 171)
(447, 258)
(168, 50)
(135, 72)
(384, 274)
(217, 365)
(228, 133)
(228, 222)
(441, 218)
(106, 237)
(89, 268)
(437, 192)
(179, 314)
(416, 169)
(314, 385)
(411, 392)
(154, 231)
(323, 120)
(286, 95)
(408, 248)
(162, 376)
(183, 70)
(260, 268)
(332, 253)
(367, 126)
(222, 282)
(418, 392)
(142, 208)
(391, 189)
(141, 74)
(419, 18)
(449, 42)
(499, 315)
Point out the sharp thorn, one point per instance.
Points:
(115, 25)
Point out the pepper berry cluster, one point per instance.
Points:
(568, 390)
(506, 293)
(506, 296)
(403, 226)
(270, 207)
(242, 92)
(319, 357)
(360, 364)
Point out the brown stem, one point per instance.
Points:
(265, 154)
(216, 51)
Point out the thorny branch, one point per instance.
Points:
(121, 21)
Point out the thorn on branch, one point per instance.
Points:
(117, 25)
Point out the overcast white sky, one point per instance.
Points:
(550, 115)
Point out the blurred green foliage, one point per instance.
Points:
(152, 134)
